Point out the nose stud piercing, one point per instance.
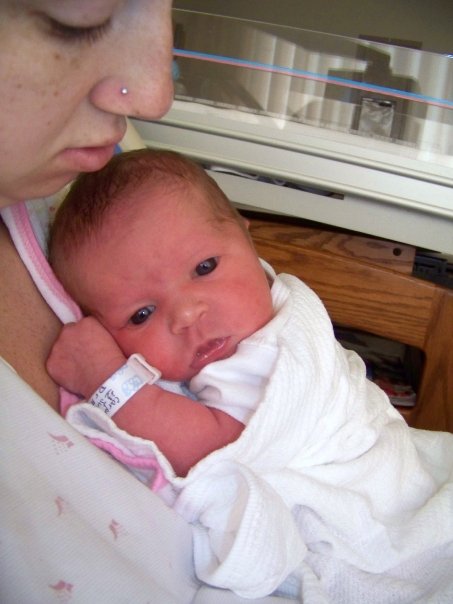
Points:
(124, 91)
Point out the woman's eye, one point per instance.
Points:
(206, 267)
(73, 33)
(142, 315)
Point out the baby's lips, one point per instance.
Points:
(211, 351)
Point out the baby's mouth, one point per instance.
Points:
(211, 351)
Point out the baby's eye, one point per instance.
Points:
(142, 315)
(206, 267)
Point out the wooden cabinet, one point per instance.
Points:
(366, 284)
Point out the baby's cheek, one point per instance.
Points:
(145, 342)
(126, 342)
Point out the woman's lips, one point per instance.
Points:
(88, 159)
(211, 351)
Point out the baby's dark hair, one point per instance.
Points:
(93, 195)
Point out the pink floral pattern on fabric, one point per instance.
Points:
(117, 529)
(62, 505)
(61, 443)
(63, 590)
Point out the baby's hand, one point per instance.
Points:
(84, 356)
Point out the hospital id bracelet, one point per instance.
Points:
(123, 384)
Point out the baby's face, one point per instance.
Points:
(172, 283)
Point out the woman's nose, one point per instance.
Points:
(138, 80)
(145, 100)
(186, 313)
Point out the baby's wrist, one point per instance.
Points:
(126, 381)
(98, 375)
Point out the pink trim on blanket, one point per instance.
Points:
(143, 463)
(66, 400)
(25, 231)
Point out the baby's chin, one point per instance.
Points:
(183, 378)
(176, 374)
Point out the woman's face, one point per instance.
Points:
(64, 65)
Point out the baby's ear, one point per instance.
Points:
(246, 222)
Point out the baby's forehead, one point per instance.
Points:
(155, 193)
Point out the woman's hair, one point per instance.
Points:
(93, 195)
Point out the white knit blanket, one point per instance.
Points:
(327, 496)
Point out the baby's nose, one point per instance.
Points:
(186, 313)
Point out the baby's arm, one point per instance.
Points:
(85, 355)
